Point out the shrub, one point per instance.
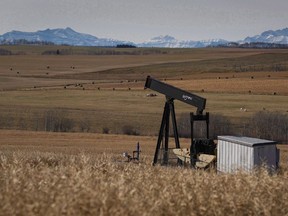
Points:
(129, 130)
(268, 125)
(85, 124)
(105, 130)
(56, 121)
(58, 52)
(5, 52)
(184, 126)
(218, 125)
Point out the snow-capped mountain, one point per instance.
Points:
(278, 37)
(171, 42)
(60, 36)
(160, 41)
(70, 37)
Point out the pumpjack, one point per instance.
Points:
(202, 151)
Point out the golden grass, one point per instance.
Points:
(77, 174)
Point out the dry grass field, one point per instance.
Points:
(107, 90)
(98, 91)
(84, 174)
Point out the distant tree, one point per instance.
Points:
(25, 42)
(219, 124)
(268, 125)
(259, 45)
(125, 46)
(5, 52)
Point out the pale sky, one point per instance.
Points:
(140, 20)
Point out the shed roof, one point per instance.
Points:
(248, 141)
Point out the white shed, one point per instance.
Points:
(245, 153)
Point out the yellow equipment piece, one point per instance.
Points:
(203, 160)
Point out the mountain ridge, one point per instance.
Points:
(278, 36)
(68, 36)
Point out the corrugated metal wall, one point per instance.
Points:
(232, 157)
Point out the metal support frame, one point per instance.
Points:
(137, 152)
(193, 118)
(171, 94)
(199, 117)
(164, 131)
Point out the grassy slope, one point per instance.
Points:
(214, 71)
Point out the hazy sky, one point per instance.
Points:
(140, 20)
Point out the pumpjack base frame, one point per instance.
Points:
(194, 147)
(169, 110)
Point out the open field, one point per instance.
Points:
(81, 173)
(95, 94)
(104, 86)
(90, 144)
(34, 69)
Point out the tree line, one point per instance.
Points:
(263, 125)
